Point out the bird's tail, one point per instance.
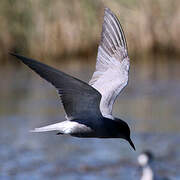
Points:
(52, 127)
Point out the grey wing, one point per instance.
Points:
(79, 99)
(112, 66)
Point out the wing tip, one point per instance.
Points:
(23, 59)
(16, 55)
(108, 14)
(107, 11)
(12, 53)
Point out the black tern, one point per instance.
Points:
(88, 107)
(146, 161)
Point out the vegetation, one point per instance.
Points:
(60, 28)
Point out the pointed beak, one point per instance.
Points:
(131, 143)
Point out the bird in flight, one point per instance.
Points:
(88, 107)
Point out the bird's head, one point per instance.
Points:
(145, 158)
(124, 131)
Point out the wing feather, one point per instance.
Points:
(78, 98)
(112, 66)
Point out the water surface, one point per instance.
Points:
(150, 104)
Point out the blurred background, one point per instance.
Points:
(65, 34)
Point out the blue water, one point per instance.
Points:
(150, 104)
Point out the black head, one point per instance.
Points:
(149, 155)
(124, 131)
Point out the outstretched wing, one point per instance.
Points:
(112, 66)
(79, 99)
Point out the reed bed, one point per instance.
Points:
(60, 28)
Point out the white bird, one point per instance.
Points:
(145, 160)
(88, 107)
